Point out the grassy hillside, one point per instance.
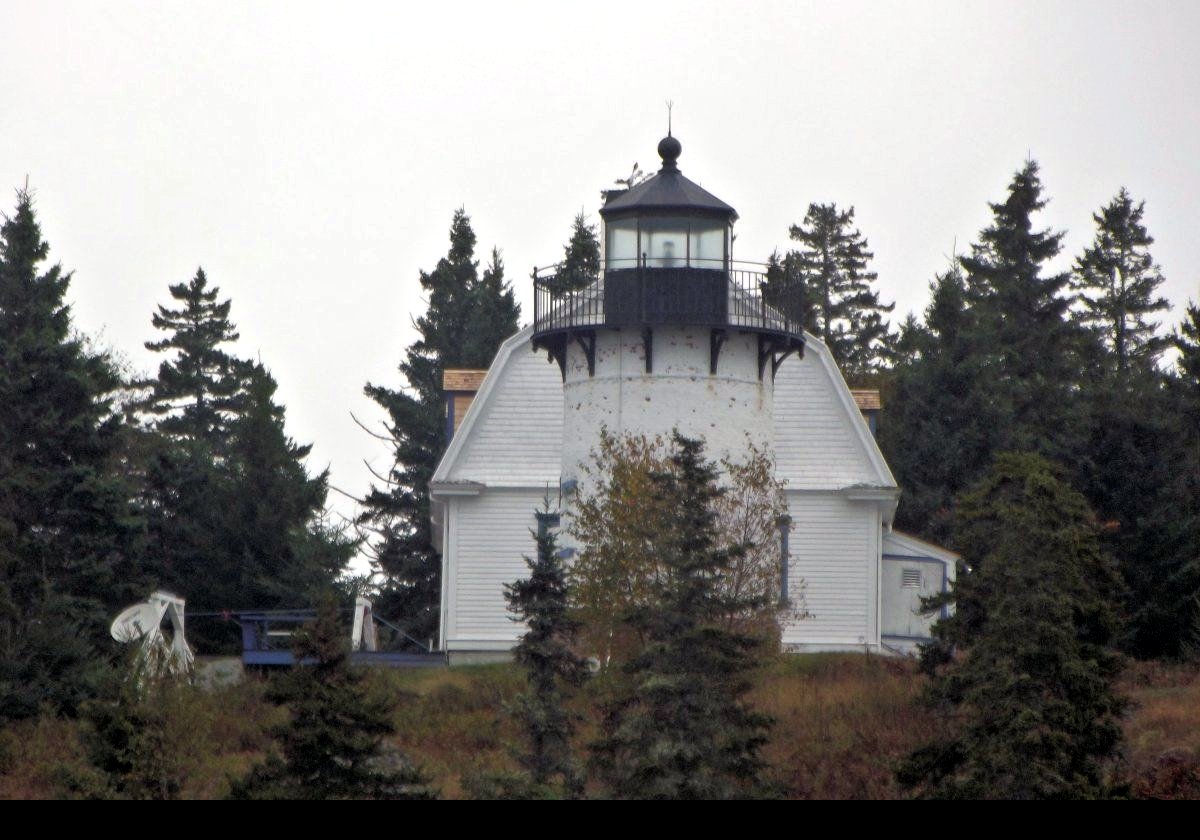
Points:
(841, 723)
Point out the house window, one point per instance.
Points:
(910, 578)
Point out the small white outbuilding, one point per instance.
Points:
(674, 334)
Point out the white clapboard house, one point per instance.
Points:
(675, 334)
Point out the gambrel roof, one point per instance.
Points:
(512, 434)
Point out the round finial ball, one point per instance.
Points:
(669, 149)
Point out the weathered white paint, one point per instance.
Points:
(931, 567)
(525, 426)
(821, 438)
(512, 434)
(488, 537)
(834, 549)
(726, 409)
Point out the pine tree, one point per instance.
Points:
(843, 310)
(333, 745)
(465, 323)
(552, 670)
(680, 727)
(69, 550)
(1030, 706)
(1117, 281)
(580, 267)
(1027, 341)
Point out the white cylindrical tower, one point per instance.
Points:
(672, 334)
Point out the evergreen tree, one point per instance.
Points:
(1031, 349)
(1030, 704)
(1117, 281)
(552, 669)
(333, 745)
(1187, 341)
(284, 554)
(69, 537)
(843, 310)
(680, 728)
(234, 518)
(465, 323)
(198, 391)
(940, 428)
(580, 267)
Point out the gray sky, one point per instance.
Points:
(310, 156)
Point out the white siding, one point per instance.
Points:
(815, 444)
(517, 438)
(489, 534)
(834, 549)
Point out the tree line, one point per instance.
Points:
(1054, 387)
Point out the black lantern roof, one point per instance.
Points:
(667, 192)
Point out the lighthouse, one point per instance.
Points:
(673, 334)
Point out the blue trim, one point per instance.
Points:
(914, 558)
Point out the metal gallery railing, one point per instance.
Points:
(749, 296)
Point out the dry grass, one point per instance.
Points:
(841, 724)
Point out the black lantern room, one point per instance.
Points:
(667, 262)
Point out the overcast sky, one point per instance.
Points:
(310, 156)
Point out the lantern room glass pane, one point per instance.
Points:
(707, 246)
(621, 247)
(665, 242)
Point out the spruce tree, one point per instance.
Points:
(332, 746)
(1187, 341)
(1031, 349)
(940, 428)
(284, 554)
(69, 536)
(842, 308)
(552, 670)
(199, 390)
(1117, 281)
(1029, 704)
(580, 267)
(466, 320)
(235, 520)
(679, 728)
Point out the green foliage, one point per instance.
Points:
(199, 390)
(617, 519)
(1031, 351)
(69, 537)
(1029, 700)
(1117, 280)
(940, 427)
(143, 735)
(679, 727)
(333, 745)
(467, 319)
(235, 520)
(552, 669)
(842, 308)
(580, 267)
